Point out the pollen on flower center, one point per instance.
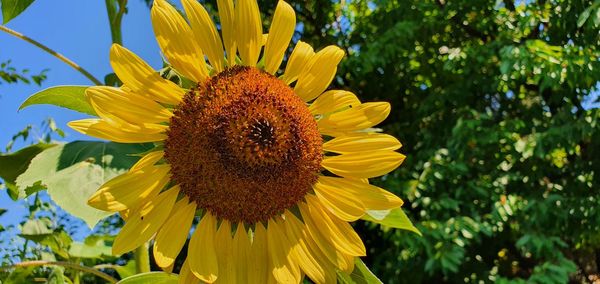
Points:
(243, 146)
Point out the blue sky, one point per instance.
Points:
(80, 31)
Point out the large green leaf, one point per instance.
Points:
(151, 277)
(12, 165)
(71, 97)
(73, 172)
(12, 8)
(395, 218)
(360, 275)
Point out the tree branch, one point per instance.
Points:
(63, 264)
(52, 52)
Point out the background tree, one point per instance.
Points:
(496, 104)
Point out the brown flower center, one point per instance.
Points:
(243, 146)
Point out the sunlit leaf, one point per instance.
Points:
(151, 277)
(72, 172)
(70, 97)
(12, 8)
(83, 250)
(14, 164)
(57, 276)
(360, 275)
(38, 231)
(395, 218)
(36, 227)
(19, 275)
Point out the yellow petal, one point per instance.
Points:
(363, 164)
(300, 56)
(333, 101)
(120, 132)
(227, 16)
(172, 235)
(318, 73)
(313, 264)
(201, 251)
(141, 78)
(224, 246)
(248, 31)
(357, 118)
(148, 160)
(373, 197)
(176, 41)
(320, 245)
(130, 189)
(241, 253)
(280, 34)
(259, 268)
(125, 214)
(133, 108)
(168, 269)
(339, 233)
(349, 260)
(280, 248)
(144, 222)
(186, 276)
(344, 207)
(362, 142)
(205, 33)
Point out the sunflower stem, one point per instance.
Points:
(142, 259)
(52, 52)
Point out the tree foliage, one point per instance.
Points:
(494, 103)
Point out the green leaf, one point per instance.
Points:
(395, 218)
(360, 275)
(151, 277)
(12, 8)
(344, 278)
(73, 172)
(127, 270)
(12, 165)
(71, 97)
(584, 16)
(38, 231)
(57, 276)
(36, 227)
(19, 276)
(83, 250)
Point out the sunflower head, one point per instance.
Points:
(271, 163)
(243, 145)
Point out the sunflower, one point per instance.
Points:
(273, 166)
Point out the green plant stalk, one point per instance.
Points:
(77, 278)
(75, 266)
(115, 10)
(142, 259)
(52, 52)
